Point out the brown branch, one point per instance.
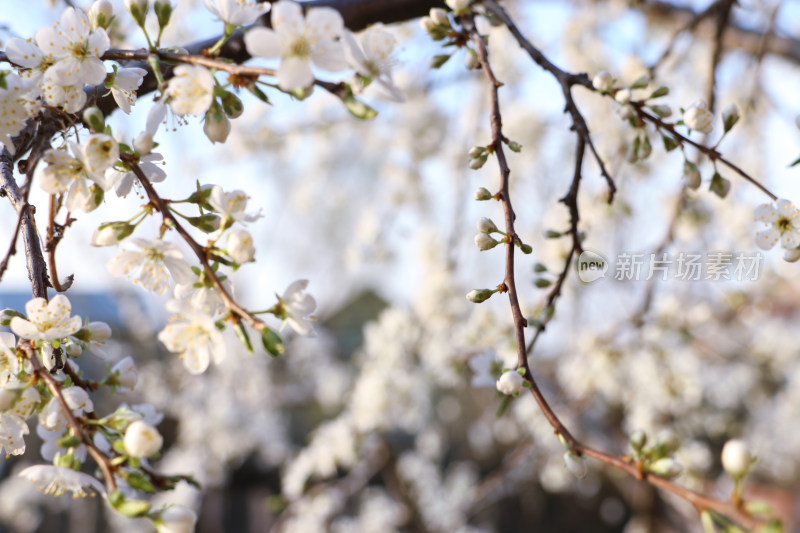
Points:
(12, 248)
(700, 501)
(37, 269)
(712, 153)
(724, 8)
(54, 236)
(566, 80)
(235, 309)
(102, 461)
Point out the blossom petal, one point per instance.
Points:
(262, 42)
(766, 239)
(294, 73)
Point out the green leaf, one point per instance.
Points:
(137, 481)
(258, 93)
(669, 143)
(719, 185)
(504, 403)
(272, 342)
(356, 107)
(241, 333)
(661, 91)
(641, 83)
(438, 61)
(795, 162)
(133, 508)
(207, 223)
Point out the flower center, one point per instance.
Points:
(300, 48)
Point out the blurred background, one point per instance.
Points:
(388, 419)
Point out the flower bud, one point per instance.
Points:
(576, 465)
(667, 441)
(142, 440)
(111, 233)
(127, 373)
(526, 248)
(240, 246)
(483, 194)
(216, 127)
(736, 458)
(138, 10)
(623, 96)
(74, 349)
(626, 112)
(99, 331)
(176, 519)
(100, 14)
(510, 383)
(637, 440)
(439, 16)
(143, 143)
(458, 6)
(698, 118)
(477, 296)
(476, 151)
(791, 255)
(427, 24)
(719, 185)
(478, 163)
(730, 116)
(484, 242)
(603, 81)
(666, 467)
(485, 225)
(691, 175)
(163, 9)
(232, 105)
(93, 117)
(662, 110)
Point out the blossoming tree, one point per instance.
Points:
(650, 396)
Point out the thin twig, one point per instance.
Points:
(230, 304)
(700, 501)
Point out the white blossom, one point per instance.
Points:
(780, 218)
(50, 446)
(74, 175)
(142, 440)
(76, 48)
(9, 364)
(298, 305)
(126, 82)
(510, 383)
(57, 480)
(203, 298)
(736, 458)
(698, 118)
(12, 434)
(231, 204)
(373, 58)
(152, 266)
(100, 152)
(122, 181)
(17, 104)
(297, 40)
(77, 399)
(240, 246)
(237, 12)
(191, 90)
(46, 321)
(193, 335)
